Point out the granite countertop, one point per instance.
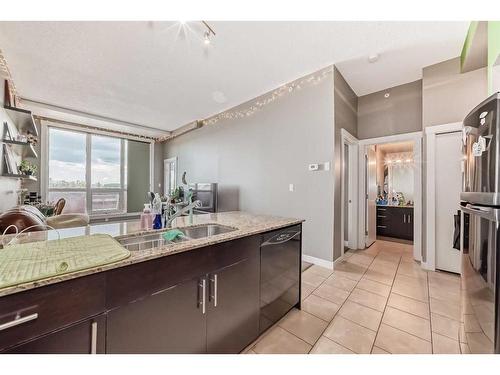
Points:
(389, 205)
(246, 225)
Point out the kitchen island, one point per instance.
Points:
(206, 295)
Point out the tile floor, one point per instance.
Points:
(376, 301)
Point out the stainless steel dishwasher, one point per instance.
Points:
(280, 266)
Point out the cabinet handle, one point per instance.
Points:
(203, 285)
(404, 218)
(93, 340)
(213, 280)
(18, 320)
(409, 219)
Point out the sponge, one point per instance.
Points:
(172, 234)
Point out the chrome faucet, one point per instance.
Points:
(170, 218)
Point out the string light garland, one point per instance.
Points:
(257, 104)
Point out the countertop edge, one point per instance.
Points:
(169, 250)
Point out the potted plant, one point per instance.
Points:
(27, 168)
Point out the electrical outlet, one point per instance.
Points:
(291, 187)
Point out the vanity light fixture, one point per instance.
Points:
(399, 161)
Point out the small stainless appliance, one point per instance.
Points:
(205, 192)
(480, 205)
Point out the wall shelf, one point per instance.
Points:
(22, 119)
(24, 149)
(22, 176)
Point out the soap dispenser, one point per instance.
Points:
(157, 224)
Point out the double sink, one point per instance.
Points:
(152, 240)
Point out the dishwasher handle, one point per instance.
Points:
(281, 238)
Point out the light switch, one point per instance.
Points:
(291, 187)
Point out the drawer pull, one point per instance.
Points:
(18, 320)
(381, 226)
(381, 216)
(93, 341)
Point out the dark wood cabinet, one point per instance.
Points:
(169, 321)
(87, 337)
(233, 309)
(199, 301)
(395, 222)
(216, 312)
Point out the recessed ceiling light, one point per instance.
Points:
(219, 97)
(386, 95)
(373, 57)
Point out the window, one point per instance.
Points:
(87, 170)
(170, 175)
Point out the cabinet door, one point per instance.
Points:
(87, 337)
(169, 321)
(233, 312)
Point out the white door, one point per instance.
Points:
(371, 195)
(448, 187)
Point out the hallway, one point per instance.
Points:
(376, 301)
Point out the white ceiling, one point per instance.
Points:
(156, 74)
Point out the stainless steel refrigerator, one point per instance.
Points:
(480, 227)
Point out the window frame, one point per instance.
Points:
(169, 164)
(89, 190)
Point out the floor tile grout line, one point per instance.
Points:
(357, 282)
(430, 313)
(397, 308)
(385, 307)
(340, 307)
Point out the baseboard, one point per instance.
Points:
(318, 261)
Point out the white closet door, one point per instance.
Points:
(371, 196)
(448, 187)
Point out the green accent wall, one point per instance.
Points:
(137, 175)
(468, 42)
(493, 49)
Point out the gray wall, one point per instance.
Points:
(345, 109)
(400, 113)
(254, 160)
(449, 95)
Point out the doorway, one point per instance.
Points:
(390, 173)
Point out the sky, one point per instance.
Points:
(68, 153)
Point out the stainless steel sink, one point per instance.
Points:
(203, 231)
(152, 240)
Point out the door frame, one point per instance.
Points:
(416, 138)
(347, 139)
(429, 261)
